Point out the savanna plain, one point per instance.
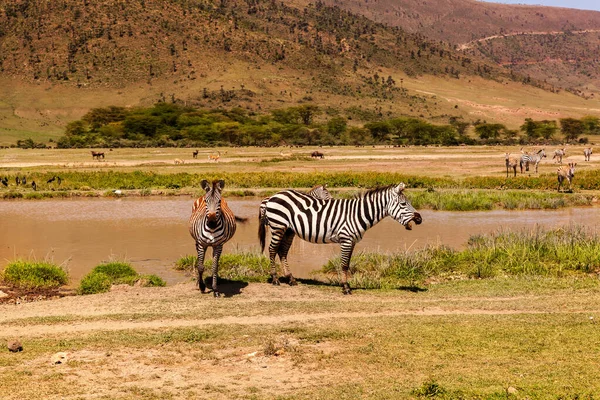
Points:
(522, 333)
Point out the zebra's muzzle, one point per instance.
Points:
(416, 219)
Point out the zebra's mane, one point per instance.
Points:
(373, 191)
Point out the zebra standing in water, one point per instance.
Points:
(527, 158)
(559, 154)
(212, 223)
(289, 213)
(587, 153)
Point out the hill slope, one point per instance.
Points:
(58, 59)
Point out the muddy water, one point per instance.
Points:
(152, 233)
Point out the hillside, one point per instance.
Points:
(551, 44)
(58, 59)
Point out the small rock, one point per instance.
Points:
(59, 358)
(15, 346)
(3, 295)
(511, 390)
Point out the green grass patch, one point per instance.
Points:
(538, 252)
(245, 267)
(34, 275)
(103, 276)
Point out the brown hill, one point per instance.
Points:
(551, 44)
(60, 58)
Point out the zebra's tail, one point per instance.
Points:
(262, 230)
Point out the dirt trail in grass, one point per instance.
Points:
(180, 306)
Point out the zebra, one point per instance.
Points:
(211, 224)
(527, 158)
(289, 213)
(587, 152)
(566, 172)
(559, 154)
(511, 162)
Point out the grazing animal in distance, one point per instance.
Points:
(24, 180)
(4, 181)
(566, 172)
(17, 180)
(195, 154)
(178, 161)
(344, 221)
(33, 185)
(528, 158)
(317, 154)
(559, 154)
(51, 179)
(214, 157)
(97, 155)
(511, 162)
(211, 224)
(587, 153)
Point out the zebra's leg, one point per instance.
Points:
(284, 248)
(215, 268)
(347, 249)
(200, 266)
(276, 237)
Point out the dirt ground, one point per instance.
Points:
(247, 345)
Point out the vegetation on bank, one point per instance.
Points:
(174, 125)
(537, 252)
(244, 266)
(103, 276)
(34, 275)
(438, 193)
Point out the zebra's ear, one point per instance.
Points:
(221, 183)
(205, 185)
(400, 187)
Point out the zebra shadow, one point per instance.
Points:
(315, 282)
(227, 288)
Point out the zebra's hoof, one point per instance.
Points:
(275, 282)
(216, 294)
(293, 282)
(346, 290)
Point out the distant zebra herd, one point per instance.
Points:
(563, 173)
(314, 216)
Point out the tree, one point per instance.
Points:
(529, 127)
(336, 126)
(308, 112)
(571, 128)
(489, 131)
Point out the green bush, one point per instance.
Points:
(103, 276)
(27, 274)
(95, 283)
(246, 267)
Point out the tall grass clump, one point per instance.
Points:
(244, 266)
(34, 275)
(537, 252)
(103, 276)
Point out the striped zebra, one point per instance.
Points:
(528, 158)
(587, 153)
(559, 154)
(211, 224)
(318, 192)
(510, 162)
(289, 213)
(566, 172)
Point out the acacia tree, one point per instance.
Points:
(571, 128)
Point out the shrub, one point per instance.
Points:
(246, 267)
(103, 276)
(95, 283)
(27, 274)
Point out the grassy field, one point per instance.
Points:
(497, 338)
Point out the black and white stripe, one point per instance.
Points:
(289, 213)
(535, 158)
(211, 224)
(559, 154)
(587, 153)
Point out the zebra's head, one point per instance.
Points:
(571, 171)
(400, 208)
(542, 153)
(212, 198)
